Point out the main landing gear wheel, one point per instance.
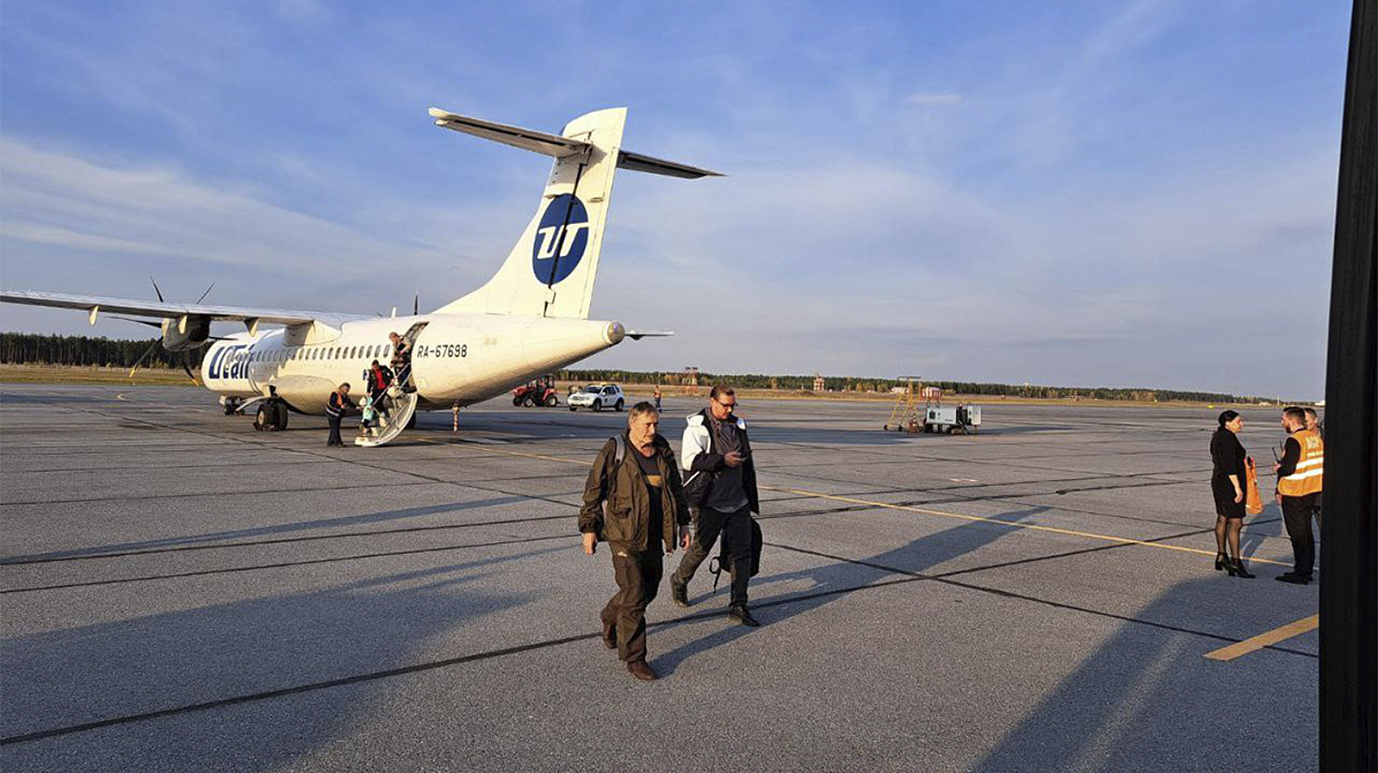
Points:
(271, 417)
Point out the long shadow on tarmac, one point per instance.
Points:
(1147, 699)
(1257, 528)
(833, 581)
(386, 516)
(162, 662)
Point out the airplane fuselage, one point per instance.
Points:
(456, 358)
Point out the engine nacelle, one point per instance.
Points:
(187, 332)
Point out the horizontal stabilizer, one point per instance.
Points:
(517, 137)
(560, 147)
(637, 335)
(639, 163)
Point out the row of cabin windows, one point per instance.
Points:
(377, 352)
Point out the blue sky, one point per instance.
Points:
(1124, 194)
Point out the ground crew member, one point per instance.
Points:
(335, 408)
(1313, 423)
(722, 477)
(1300, 474)
(636, 476)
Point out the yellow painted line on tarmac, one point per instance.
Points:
(1265, 639)
(1011, 524)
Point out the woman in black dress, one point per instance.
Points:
(1229, 481)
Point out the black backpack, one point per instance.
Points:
(724, 558)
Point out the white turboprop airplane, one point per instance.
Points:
(529, 319)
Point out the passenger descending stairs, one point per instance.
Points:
(401, 407)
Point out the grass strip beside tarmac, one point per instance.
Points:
(70, 374)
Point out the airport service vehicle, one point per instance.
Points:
(531, 318)
(598, 397)
(536, 392)
(953, 420)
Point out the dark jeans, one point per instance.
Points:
(334, 431)
(736, 530)
(638, 579)
(376, 397)
(1296, 516)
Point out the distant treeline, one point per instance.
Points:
(23, 348)
(853, 384)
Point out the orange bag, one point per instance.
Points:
(1253, 503)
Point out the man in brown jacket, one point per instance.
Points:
(637, 478)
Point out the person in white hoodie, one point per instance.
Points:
(720, 485)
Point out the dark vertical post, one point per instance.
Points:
(1349, 549)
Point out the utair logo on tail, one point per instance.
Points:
(561, 238)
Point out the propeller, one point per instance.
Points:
(416, 304)
(158, 325)
(144, 356)
(185, 359)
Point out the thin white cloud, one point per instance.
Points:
(58, 209)
(934, 99)
(299, 10)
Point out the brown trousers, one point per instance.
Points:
(638, 579)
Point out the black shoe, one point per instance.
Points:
(679, 594)
(743, 615)
(1220, 561)
(1293, 578)
(1237, 569)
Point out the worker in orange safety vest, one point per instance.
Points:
(1301, 473)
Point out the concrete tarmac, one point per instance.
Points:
(182, 593)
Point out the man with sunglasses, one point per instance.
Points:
(720, 485)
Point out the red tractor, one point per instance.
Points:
(538, 391)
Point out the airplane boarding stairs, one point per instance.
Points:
(399, 400)
(401, 407)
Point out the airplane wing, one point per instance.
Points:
(95, 304)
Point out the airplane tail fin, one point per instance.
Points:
(551, 270)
